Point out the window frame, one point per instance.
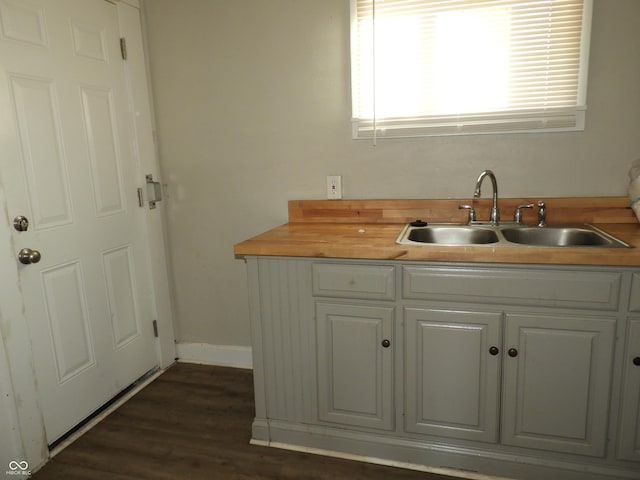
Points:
(474, 124)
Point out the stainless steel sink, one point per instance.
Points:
(512, 234)
(560, 236)
(453, 235)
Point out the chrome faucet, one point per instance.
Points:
(517, 215)
(472, 213)
(494, 218)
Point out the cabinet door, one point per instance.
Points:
(557, 376)
(355, 364)
(452, 372)
(629, 438)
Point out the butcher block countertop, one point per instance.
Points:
(367, 229)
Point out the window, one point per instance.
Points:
(455, 67)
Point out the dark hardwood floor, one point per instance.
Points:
(194, 422)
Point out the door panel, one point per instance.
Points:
(557, 382)
(461, 400)
(66, 310)
(40, 132)
(88, 41)
(354, 369)
(69, 154)
(629, 436)
(103, 149)
(120, 281)
(23, 22)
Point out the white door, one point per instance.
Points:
(68, 164)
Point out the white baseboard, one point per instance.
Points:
(221, 355)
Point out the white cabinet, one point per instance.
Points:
(510, 371)
(557, 377)
(355, 364)
(629, 438)
(556, 368)
(452, 373)
(353, 341)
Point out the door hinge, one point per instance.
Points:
(155, 328)
(123, 48)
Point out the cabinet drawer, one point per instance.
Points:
(562, 288)
(354, 281)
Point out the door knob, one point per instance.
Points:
(512, 352)
(494, 351)
(636, 361)
(386, 343)
(28, 256)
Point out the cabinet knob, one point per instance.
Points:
(386, 343)
(494, 351)
(636, 361)
(512, 352)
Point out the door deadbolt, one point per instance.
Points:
(21, 223)
(28, 256)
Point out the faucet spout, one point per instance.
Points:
(495, 213)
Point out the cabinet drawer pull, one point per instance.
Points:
(386, 343)
(636, 361)
(494, 351)
(512, 352)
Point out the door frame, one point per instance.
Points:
(20, 411)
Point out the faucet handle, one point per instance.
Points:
(472, 212)
(542, 214)
(517, 215)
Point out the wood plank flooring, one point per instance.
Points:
(194, 422)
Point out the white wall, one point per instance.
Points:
(253, 109)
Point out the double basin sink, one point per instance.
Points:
(584, 235)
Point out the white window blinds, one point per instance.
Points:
(450, 67)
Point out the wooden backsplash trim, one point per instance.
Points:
(559, 210)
